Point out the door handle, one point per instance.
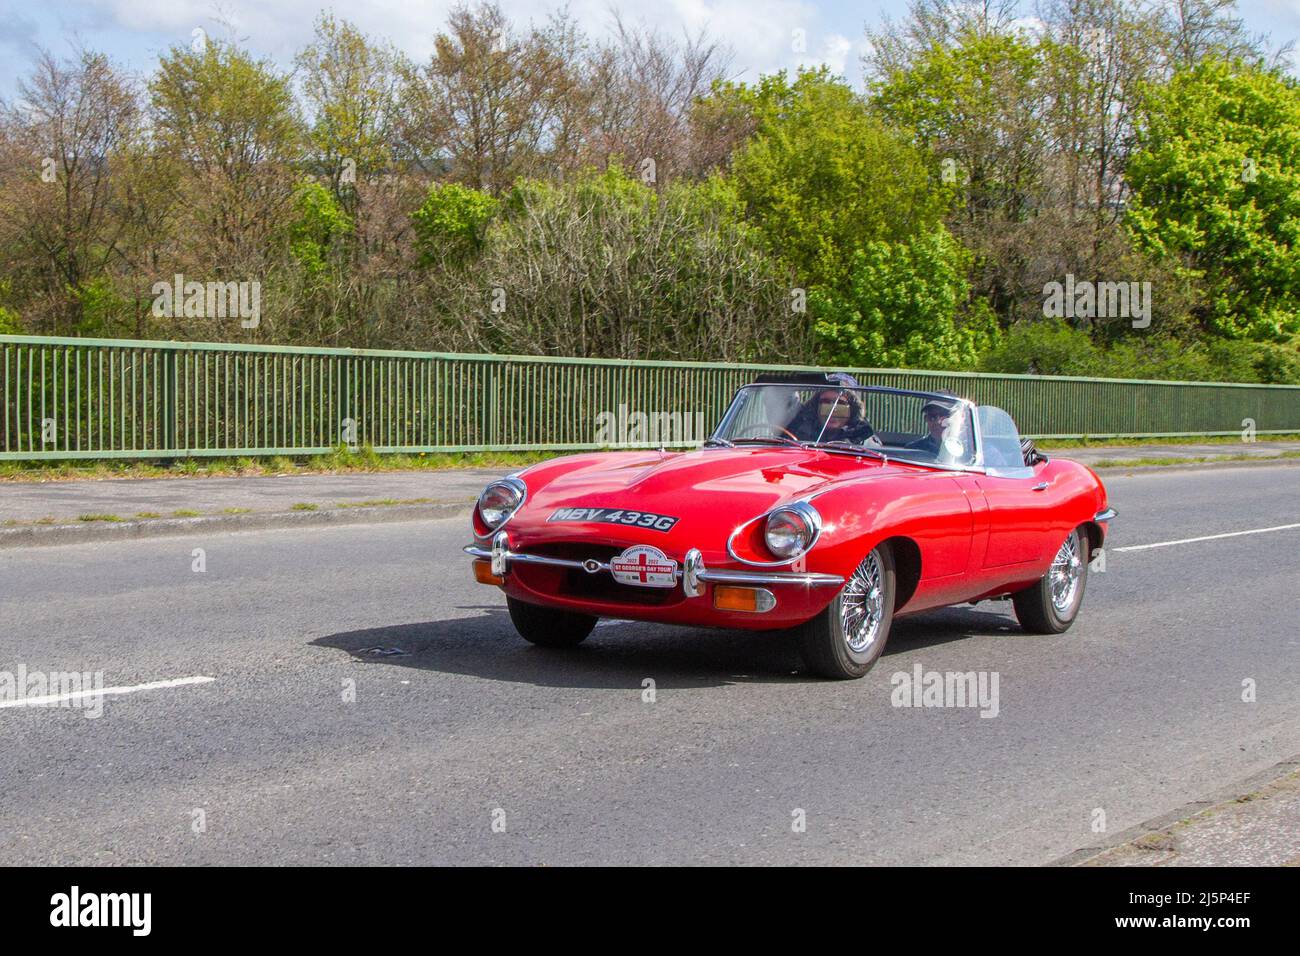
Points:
(1041, 486)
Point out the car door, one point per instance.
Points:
(1020, 499)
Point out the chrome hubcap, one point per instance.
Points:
(1067, 570)
(862, 604)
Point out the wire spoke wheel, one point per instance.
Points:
(862, 606)
(1067, 569)
(844, 641)
(1050, 605)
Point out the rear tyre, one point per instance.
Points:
(846, 639)
(549, 627)
(1051, 605)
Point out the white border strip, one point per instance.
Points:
(1208, 537)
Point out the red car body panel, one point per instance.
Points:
(970, 535)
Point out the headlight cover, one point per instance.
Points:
(790, 530)
(500, 500)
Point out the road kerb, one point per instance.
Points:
(1236, 792)
(35, 535)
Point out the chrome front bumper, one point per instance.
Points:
(692, 572)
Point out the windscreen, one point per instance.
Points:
(922, 428)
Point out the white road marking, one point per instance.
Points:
(1208, 537)
(104, 692)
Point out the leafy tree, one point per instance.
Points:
(230, 120)
(350, 86)
(61, 185)
(223, 110)
(902, 307)
(1216, 186)
(981, 106)
(823, 176)
(978, 100)
(492, 100)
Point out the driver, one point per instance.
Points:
(838, 409)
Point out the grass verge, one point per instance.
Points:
(1203, 460)
(337, 462)
(1047, 444)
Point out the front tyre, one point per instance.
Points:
(549, 627)
(1051, 605)
(844, 640)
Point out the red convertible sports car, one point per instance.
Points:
(817, 506)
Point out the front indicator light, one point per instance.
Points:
(757, 600)
(483, 574)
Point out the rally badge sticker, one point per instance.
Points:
(644, 566)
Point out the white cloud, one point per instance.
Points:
(1034, 27)
(835, 52)
(758, 31)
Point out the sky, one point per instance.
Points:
(763, 34)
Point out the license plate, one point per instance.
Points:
(620, 516)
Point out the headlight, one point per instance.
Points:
(500, 500)
(790, 531)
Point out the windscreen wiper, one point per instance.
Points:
(839, 444)
(767, 440)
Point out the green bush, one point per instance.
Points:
(450, 224)
(9, 323)
(901, 308)
(604, 265)
(317, 226)
(104, 313)
(1056, 348)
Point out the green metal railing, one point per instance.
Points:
(109, 398)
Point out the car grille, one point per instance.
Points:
(576, 583)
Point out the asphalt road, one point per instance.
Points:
(457, 724)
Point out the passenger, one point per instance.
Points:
(936, 415)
